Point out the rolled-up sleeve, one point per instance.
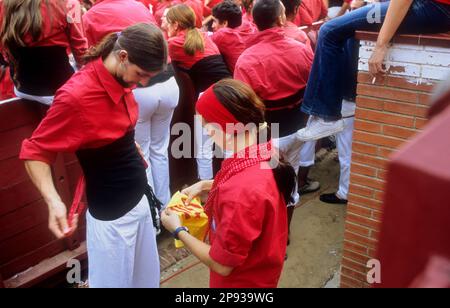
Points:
(60, 131)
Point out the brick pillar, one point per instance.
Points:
(388, 113)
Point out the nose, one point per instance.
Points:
(145, 81)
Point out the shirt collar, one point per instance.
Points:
(114, 89)
(269, 35)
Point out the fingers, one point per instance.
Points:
(188, 200)
(55, 227)
(73, 225)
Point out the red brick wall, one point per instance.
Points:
(388, 113)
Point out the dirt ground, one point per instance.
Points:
(315, 251)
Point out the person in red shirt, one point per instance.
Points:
(157, 100)
(35, 36)
(228, 35)
(94, 115)
(187, 44)
(107, 16)
(311, 11)
(277, 69)
(193, 50)
(247, 18)
(290, 28)
(248, 231)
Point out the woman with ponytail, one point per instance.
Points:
(193, 50)
(35, 36)
(94, 115)
(248, 224)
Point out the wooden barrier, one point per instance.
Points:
(25, 241)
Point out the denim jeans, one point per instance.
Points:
(333, 74)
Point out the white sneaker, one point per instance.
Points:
(317, 128)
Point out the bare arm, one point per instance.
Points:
(171, 222)
(41, 175)
(396, 13)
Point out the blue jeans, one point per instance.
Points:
(333, 74)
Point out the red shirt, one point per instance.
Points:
(231, 45)
(197, 6)
(108, 16)
(291, 30)
(56, 30)
(177, 53)
(276, 66)
(444, 1)
(250, 232)
(158, 10)
(207, 9)
(310, 11)
(91, 110)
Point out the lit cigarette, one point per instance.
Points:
(374, 80)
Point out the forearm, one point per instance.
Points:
(41, 176)
(201, 251)
(207, 185)
(396, 13)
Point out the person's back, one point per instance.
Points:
(36, 47)
(311, 11)
(110, 16)
(275, 66)
(228, 35)
(290, 28)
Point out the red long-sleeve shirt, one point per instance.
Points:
(91, 110)
(108, 16)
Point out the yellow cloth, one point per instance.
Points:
(191, 216)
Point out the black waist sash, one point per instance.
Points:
(286, 113)
(115, 178)
(207, 72)
(40, 71)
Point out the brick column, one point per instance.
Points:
(389, 112)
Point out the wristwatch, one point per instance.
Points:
(178, 230)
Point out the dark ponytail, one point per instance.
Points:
(144, 43)
(243, 103)
(102, 49)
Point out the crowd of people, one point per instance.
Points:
(108, 74)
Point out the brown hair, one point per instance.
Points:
(20, 17)
(185, 17)
(243, 103)
(144, 43)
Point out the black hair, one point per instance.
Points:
(291, 6)
(144, 43)
(265, 13)
(228, 11)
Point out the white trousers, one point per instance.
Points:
(344, 142)
(156, 106)
(123, 253)
(46, 100)
(290, 148)
(204, 149)
(344, 147)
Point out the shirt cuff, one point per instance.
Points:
(30, 151)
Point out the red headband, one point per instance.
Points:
(212, 110)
